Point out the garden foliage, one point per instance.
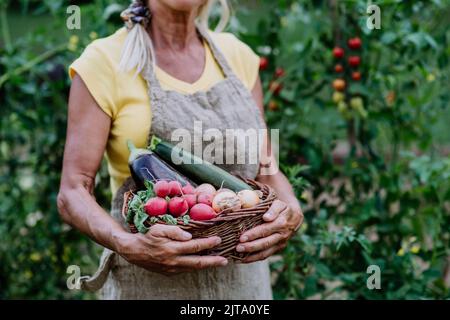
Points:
(374, 185)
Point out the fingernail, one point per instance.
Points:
(218, 240)
(244, 238)
(224, 262)
(268, 214)
(240, 248)
(187, 235)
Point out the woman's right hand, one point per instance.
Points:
(168, 250)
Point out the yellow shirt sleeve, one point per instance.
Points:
(242, 59)
(96, 71)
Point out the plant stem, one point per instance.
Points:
(5, 27)
(30, 64)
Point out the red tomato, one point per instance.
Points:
(354, 43)
(354, 61)
(338, 52)
(279, 72)
(275, 87)
(338, 68)
(273, 105)
(339, 84)
(263, 63)
(356, 75)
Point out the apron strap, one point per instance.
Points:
(149, 73)
(217, 54)
(96, 281)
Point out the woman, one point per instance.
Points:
(161, 73)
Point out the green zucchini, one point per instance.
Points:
(195, 167)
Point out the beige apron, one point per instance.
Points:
(226, 105)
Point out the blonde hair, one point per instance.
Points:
(138, 47)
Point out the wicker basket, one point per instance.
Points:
(228, 225)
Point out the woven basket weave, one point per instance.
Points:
(227, 225)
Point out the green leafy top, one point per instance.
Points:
(137, 215)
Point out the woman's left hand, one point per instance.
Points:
(282, 221)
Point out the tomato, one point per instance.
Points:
(354, 61)
(338, 52)
(275, 87)
(339, 84)
(354, 43)
(273, 105)
(263, 63)
(356, 102)
(338, 97)
(279, 72)
(338, 68)
(356, 75)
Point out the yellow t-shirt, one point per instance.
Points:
(124, 97)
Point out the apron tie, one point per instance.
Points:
(98, 279)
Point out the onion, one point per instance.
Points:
(226, 200)
(224, 189)
(249, 198)
(205, 188)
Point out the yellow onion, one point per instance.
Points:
(248, 198)
(226, 200)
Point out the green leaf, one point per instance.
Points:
(186, 218)
(167, 218)
(139, 220)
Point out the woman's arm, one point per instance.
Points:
(87, 133)
(163, 248)
(284, 216)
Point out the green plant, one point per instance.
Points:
(383, 201)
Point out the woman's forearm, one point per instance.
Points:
(78, 208)
(283, 188)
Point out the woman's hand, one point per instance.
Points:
(282, 221)
(169, 250)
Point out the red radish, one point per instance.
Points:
(161, 188)
(191, 199)
(178, 206)
(205, 198)
(205, 188)
(156, 207)
(201, 212)
(188, 189)
(338, 52)
(174, 188)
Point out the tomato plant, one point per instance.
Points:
(369, 162)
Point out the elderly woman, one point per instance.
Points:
(162, 72)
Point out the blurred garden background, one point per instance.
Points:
(369, 156)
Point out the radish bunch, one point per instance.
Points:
(169, 199)
(201, 203)
(177, 200)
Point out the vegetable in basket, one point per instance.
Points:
(196, 168)
(147, 166)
